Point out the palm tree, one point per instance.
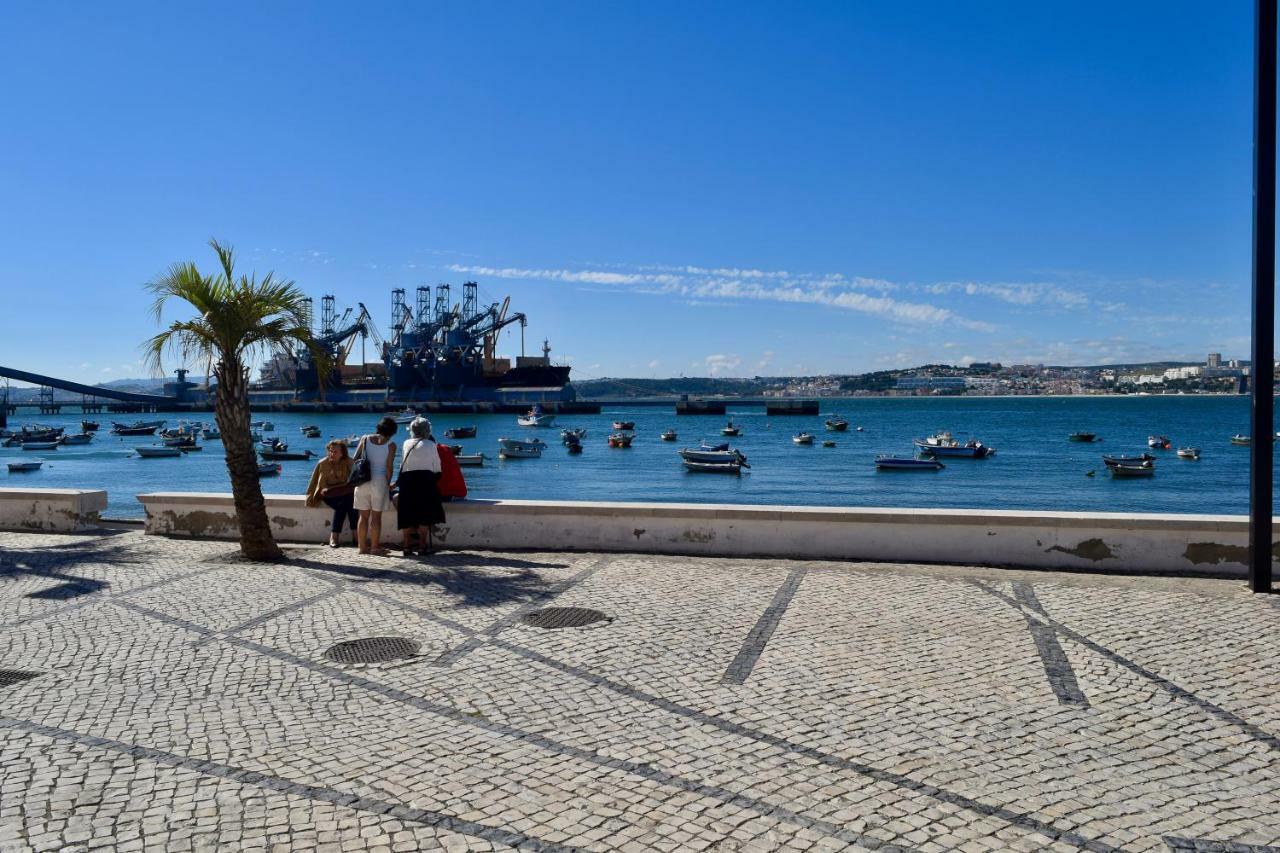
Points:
(239, 318)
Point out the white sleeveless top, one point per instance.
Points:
(378, 456)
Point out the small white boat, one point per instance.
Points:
(1188, 453)
(1158, 442)
(26, 465)
(40, 445)
(514, 448)
(669, 435)
(802, 438)
(406, 416)
(157, 452)
(536, 417)
(731, 467)
(78, 438)
(268, 470)
(1238, 438)
(470, 460)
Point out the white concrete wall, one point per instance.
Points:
(50, 510)
(1119, 542)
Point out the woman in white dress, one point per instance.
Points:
(373, 498)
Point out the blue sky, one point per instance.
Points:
(665, 189)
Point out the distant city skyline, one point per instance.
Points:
(664, 190)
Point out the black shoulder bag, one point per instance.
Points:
(361, 472)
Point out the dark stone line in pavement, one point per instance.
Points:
(434, 819)
(1254, 732)
(1203, 845)
(278, 612)
(451, 656)
(644, 771)
(740, 669)
(1057, 667)
(1019, 819)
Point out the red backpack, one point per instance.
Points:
(451, 484)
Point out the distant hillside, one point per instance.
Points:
(695, 386)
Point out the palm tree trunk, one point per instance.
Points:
(231, 408)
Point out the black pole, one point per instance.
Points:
(1264, 295)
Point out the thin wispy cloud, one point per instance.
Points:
(698, 284)
(1020, 293)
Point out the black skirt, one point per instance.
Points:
(419, 503)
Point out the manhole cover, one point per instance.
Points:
(563, 617)
(372, 650)
(13, 676)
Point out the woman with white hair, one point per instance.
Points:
(419, 503)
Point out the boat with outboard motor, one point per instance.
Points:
(136, 428)
(569, 436)
(714, 454)
(77, 438)
(621, 439)
(668, 435)
(1159, 442)
(460, 432)
(835, 423)
(802, 438)
(1240, 439)
(1188, 453)
(731, 428)
(536, 417)
(943, 444)
(515, 448)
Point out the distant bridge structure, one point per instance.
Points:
(132, 400)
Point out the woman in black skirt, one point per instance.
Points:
(419, 503)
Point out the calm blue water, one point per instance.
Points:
(1035, 466)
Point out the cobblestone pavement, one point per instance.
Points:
(167, 695)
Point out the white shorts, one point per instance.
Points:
(374, 495)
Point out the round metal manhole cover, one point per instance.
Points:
(372, 650)
(563, 617)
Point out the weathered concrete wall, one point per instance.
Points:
(1119, 542)
(50, 510)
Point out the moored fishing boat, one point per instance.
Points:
(623, 425)
(621, 439)
(137, 428)
(461, 432)
(1110, 460)
(77, 438)
(210, 434)
(1083, 436)
(1240, 439)
(731, 428)
(943, 444)
(470, 460)
(885, 462)
(713, 467)
(828, 443)
(1159, 442)
(1146, 468)
(1188, 453)
(25, 465)
(268, 469)
(157, 451)
(406, 415)
(89, 426)
(835, 423)
(569, 436)
(41, 445)
(282, 453)
(668, 435)
(514, 448)
(719, 454)
(802, 438)
(536, 417)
